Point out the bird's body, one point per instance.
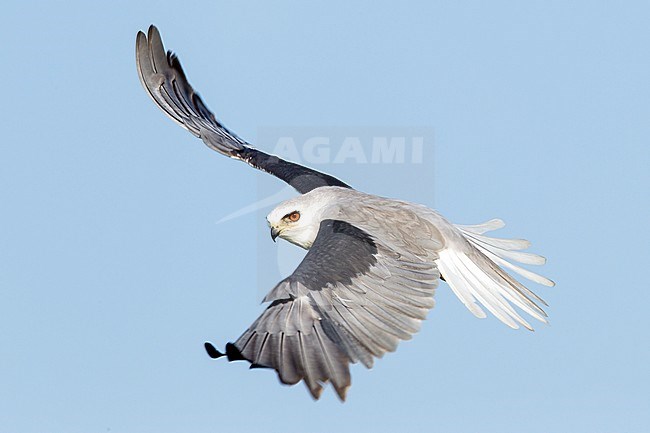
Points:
(373, 263)
(361, 209)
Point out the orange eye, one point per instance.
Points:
(294, 216)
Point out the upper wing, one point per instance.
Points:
(163, 78)
(350, 299)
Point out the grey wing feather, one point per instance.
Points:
(350, 300)
(161, 75)
(163, 78)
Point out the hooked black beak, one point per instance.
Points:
(274, 233)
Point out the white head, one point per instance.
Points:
(298, 220)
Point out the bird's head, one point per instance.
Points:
(298, 220)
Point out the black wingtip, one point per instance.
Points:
(233, 353)
(253, 366)
(212, 351)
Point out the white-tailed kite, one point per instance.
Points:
(373, 263)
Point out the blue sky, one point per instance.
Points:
(114, 271)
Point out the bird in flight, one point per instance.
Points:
(372, 266)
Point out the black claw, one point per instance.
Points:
(233, 353)
(212, 351)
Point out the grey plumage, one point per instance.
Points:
(163, 78)
(351, 299)
(373, 264)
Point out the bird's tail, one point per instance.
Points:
(476, 274)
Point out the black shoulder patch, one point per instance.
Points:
(340, 252)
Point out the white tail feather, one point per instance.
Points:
(519, 256)
(487, 226)
(532, 276)
(507, 244)
(474, 274)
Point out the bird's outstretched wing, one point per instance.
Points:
(162, 76)
(351, 299)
